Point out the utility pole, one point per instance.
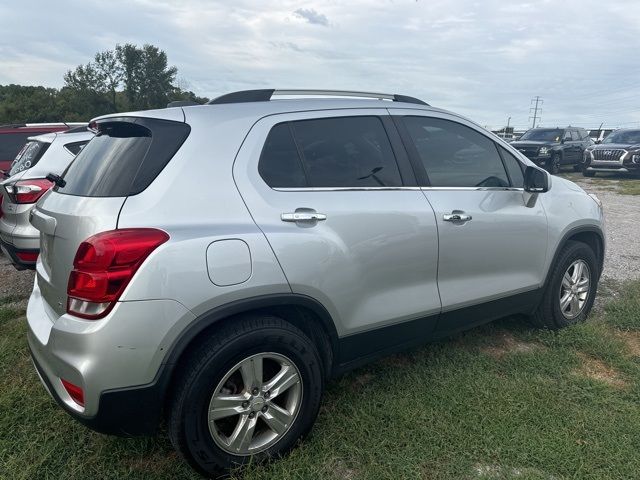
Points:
(536, 108)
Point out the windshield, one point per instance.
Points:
(629, 137)
(30, 154)
(543, 135)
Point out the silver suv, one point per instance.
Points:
(214, 265)
(42, 155)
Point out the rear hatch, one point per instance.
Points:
(123, 159)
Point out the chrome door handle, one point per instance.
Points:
(456, 217)
(303, 217)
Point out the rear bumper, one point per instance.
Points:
(13, 253)
(117, 361)
(125, 412)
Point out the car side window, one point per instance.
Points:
(280, 165)
(346, 152)
(329, 152)
(455, 155)
(514, 168)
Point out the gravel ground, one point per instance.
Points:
(622, 260)
(14, 284)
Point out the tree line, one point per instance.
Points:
(123, 79)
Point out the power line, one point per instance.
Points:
(537, 108)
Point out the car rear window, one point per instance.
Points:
(11, 144)
(30, 154)
(125, 156)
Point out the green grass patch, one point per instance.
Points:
(624, 185)
(498, 402)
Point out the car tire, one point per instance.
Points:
(553, 311)
(200, 424)
(553, 164)
(578, 167)
(588, 173)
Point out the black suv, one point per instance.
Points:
(553, 147)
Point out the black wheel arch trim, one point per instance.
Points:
(239, 307)
(567, 236)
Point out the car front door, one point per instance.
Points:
(337, 199)
(492, 234)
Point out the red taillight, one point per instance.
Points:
(74, 391)
(27, 256)
(104, 265)
(28, 191)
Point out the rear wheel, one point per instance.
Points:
(248, 393)
(571, 288)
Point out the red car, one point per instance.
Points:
(14, 137)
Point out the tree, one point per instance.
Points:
(125, 78)
(148, 80)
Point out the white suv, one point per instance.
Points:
(27, 181)
(214, 265)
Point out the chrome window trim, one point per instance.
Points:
(364, 189)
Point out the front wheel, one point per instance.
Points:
(553, 164)
(571, 288)
(250, 392)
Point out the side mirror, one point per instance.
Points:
(535, 180)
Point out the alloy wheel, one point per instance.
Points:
(255, 404)
(574, 289)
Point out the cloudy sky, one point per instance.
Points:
(485, 59)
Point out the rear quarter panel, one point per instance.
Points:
(196, 201)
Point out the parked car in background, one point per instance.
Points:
(599, 134)
(13, 137)
(553, 148)
(27, 182)
(218, 263)
(619, 152)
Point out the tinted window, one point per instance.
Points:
(11, 144)
(123, 158)
(514, 168)
(329, 152)
(455, 155)
(543, 134)
(28, 156)
(75, 147)
(280, 165)
(346, 152)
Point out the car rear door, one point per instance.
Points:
(336, 198)
(492, 237)
(121, 160)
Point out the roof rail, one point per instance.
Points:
(265, 95)
(182, 103)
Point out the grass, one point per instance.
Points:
(624, 185)
(498, 402)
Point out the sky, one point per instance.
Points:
(483, 59)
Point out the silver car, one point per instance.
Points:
(27, 182)
(213, 266)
